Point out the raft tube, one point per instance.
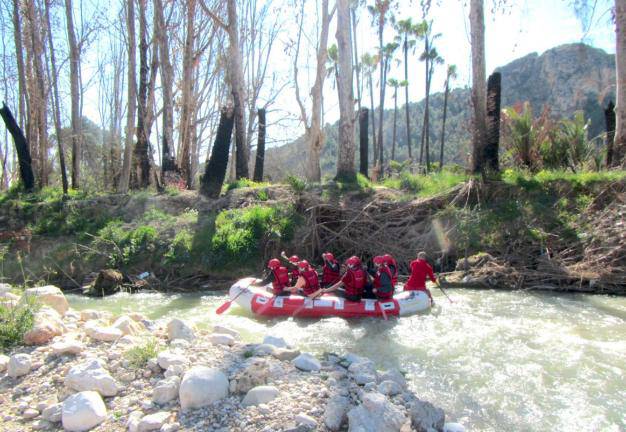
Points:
(260, 301)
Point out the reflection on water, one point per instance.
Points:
(493, 360)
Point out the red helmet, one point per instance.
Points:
(294, 258)
(273, 264)
(353, 261)
(379, 260)
(328, 256)
(304, 264)
(388, 259)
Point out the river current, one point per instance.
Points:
(493, 360)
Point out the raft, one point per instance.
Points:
(260, 301)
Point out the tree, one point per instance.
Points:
(132, 95)
(215, 171)
(369, 63)
(260, 148)
(188, 101)
(21, 70)
(609, 117)
(619, 146)
(345, 154)
(479, 85)
(21, 147)
(407, 32)
(363, 145)
(492, 145)
(395, 84)
(450, 74)
(75, 94)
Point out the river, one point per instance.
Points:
(493, 360)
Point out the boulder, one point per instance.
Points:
(307, 362)
(4, 362)
(5, 288)
(278, 342)
(306, 420)
(264, 349)
(375, 414)
(174, 370)
(91, 314)
(389, 388)
(201, 386)
(19, 365)
(425, 416)
(168, 358)
(395, 376)
(335, 413)
(53, 413)
(153, 421)
(51, 296)
(179, 329)
(254, 374)
(259, 395)
(285, 354)
(67, 346)
(222, 339)
(453, 427)
(102, 333)
(107, 282)
(225, 330)
(128, 326)
(363, 371)
(166, 390)
(91, 375)
(47, 325)
(83, 411)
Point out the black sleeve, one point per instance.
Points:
(334, 267)
(267, 278)
(385, 283)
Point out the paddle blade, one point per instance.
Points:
(223, 308)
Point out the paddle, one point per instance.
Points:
(223, 308)
(444, 293)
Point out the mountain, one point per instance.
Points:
(566, 79)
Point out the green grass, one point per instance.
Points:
(545, 177)
(15, 322)
(425, 185)
(139, 355)
(297, 184)
(243, 183)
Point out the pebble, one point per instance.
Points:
(30, 413)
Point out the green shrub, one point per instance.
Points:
(127, 245)
(15, 322)
(179, 250)
(156, 215)
(297, 184)
(262, 195)
(244, 182)
(139, 355)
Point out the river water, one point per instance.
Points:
(493, 360)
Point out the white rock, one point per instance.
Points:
(168, 358)
(225, 330)
(306, 420)
(172, 427)
(278, 342)
(222, 339)
(389, 388)
(83, 411)
(19, 364)
(153, 421)
(335, 413)
(91, 375)
(264, 349)
(201, 386)
(5, 288)
(51, 296)
(4, 362)
(47, 324)
(181, 344)
(375, 414)
(285, 354)
(132, 424)
(128, 326)
(30, 413)
(53, 413)
(260, 395)
(426, 416)
(67, 346)
(307, 362)
(91, 314)
(394, 375)
(453, 427)
(179, 329)
(102, 333)
(166, 390)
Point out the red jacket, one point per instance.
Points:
(281, 280)
(387, 291)
(329, 275)
(354, 281)
(312, 283)
(419, 270)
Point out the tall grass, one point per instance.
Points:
(15, 322)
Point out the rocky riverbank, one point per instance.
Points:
(90, 370)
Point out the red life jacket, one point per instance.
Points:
(420, 269)
(312, 283)
(354, 281)
(330, 276)
(281, 280)
(377, 284)
(294, 274)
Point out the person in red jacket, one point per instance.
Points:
(277, 275)
(383, 279)
(393, 266)
(420, 269)
(353, 280)
(308, 283)
(292, 261)
(331, 271)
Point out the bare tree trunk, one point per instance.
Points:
(21, 73)
(371, 86)
(619, 146)
(492, 146)
(260, 148)
(238, 91)
(188, 105)
(609, 117)
(395, 112)
(357, 67)
(21, 147)
(56, 101)
(427, 115)
(131, 98)
(381, 104)
(141, 162)
(479, 98)
(215, 170)
(363, 144)
(75, 95)
(116, 118)
(406, 94)
(443, 123)
(345, 154)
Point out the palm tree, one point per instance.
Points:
(369, 63)
(395, 84)
(451, 74)
(388, 51)
(407, 32)
(479, 84)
